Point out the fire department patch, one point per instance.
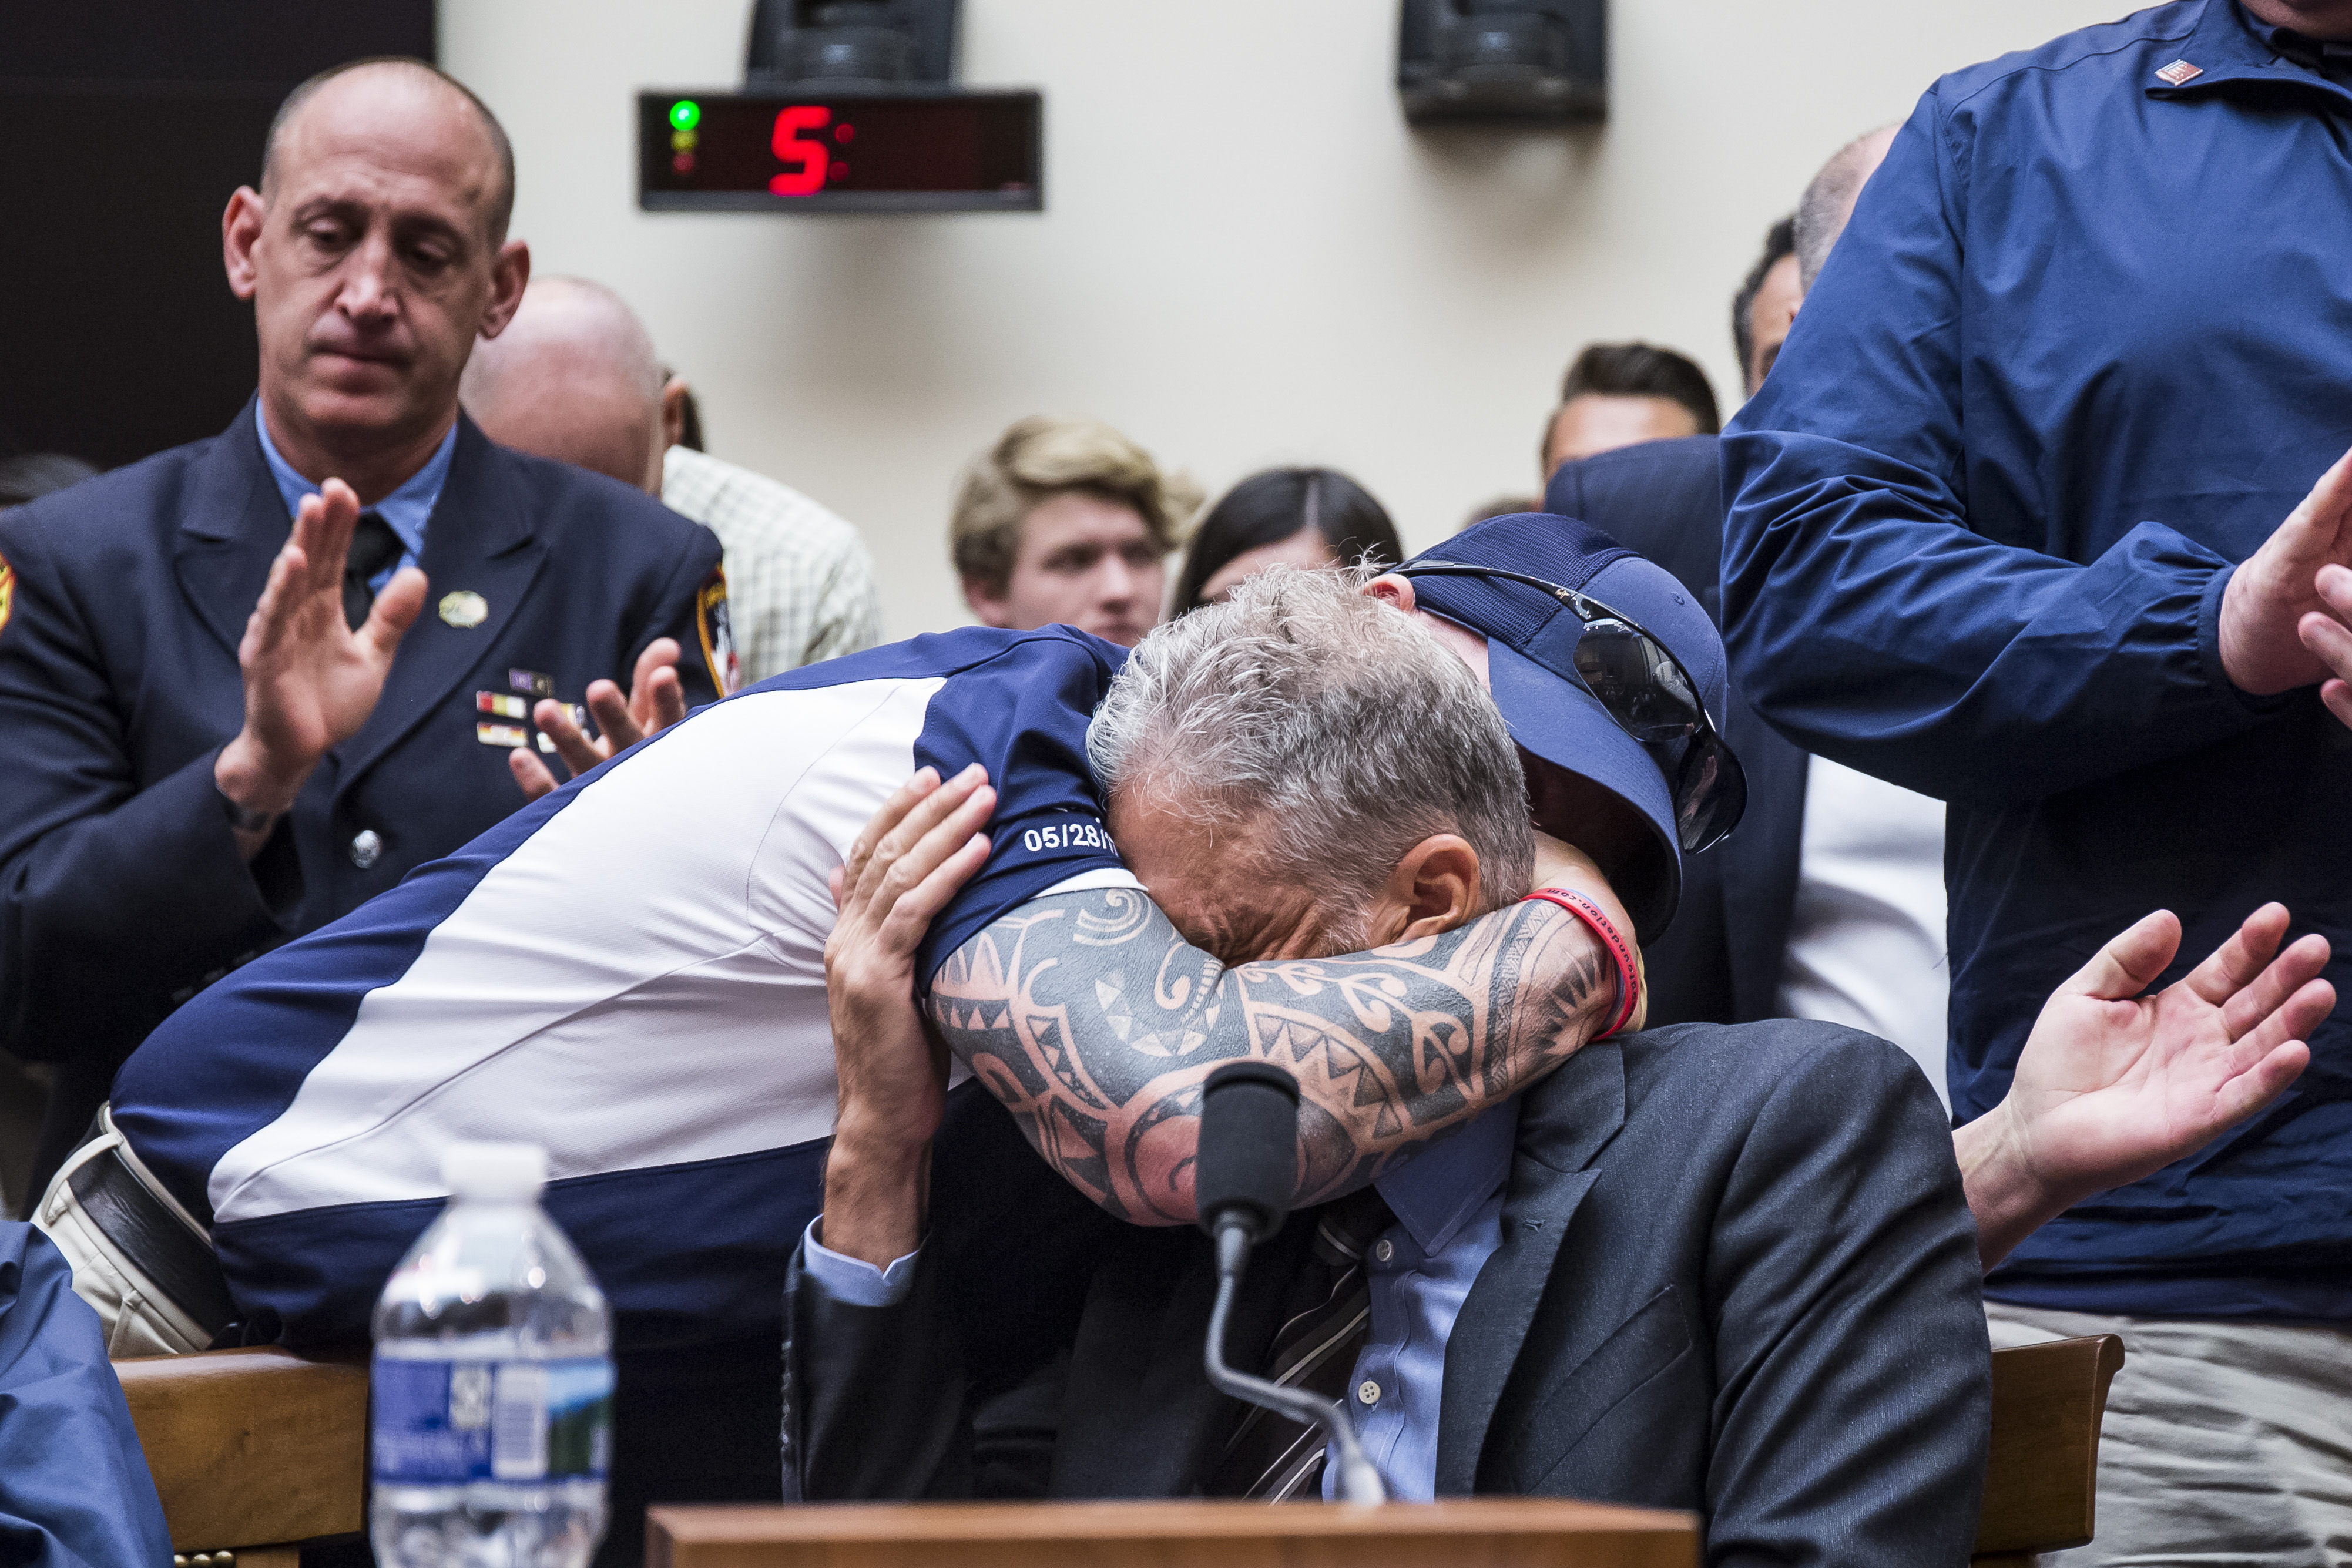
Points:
(718, 636)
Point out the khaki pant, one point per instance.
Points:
(2225, 1442)
(138, 1318)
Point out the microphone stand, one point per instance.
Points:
(1358, 1482)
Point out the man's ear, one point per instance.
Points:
(240, 227)
(991, 609)
(673, 411)
(1391, 591)
(1434, 889)
(509, 276)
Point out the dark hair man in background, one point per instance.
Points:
(223, 729)
(1617, 394)
(2006, 526)
(1766, 305)
(574, 377)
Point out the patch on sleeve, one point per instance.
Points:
(7, 590)
(718, 636)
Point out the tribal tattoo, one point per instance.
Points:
(1095, 1022)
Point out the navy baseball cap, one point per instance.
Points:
(1531, 639)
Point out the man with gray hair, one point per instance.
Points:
(1238, 752)
(574, 377)
(1763, 1226)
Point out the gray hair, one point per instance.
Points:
(1829, 199)
(1302, 701)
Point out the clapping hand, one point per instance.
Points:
(656, 701)
(2328, 632)
(310, 680)
(2273, 599)
(2116, 1082)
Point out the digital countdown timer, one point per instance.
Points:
(912, 153)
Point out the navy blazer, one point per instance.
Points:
(1720, 961)
(1738, 1275)
(121, 603)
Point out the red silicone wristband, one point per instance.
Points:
(1629, 976)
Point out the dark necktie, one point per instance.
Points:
(374, 547)
(1270, 1456)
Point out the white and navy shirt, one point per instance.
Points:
(629, 972)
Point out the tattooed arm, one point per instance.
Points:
(1095, 1021)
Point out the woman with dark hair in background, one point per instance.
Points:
(1283, 517)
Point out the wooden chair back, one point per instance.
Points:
(253, 1451)
(2042, 1476)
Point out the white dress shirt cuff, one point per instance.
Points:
(853, 1280)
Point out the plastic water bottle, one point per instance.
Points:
(492, 1381)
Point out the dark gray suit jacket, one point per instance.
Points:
(1737, 1276)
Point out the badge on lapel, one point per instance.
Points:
(465, 609)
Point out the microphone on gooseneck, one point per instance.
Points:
(1243, 1178)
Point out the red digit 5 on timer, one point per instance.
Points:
(804, 160)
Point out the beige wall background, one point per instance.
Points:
(1246, 258)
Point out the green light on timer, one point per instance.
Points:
(685, 114)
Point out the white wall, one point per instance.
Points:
(1246, 259)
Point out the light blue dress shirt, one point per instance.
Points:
(406, 509)
(1448, 1203)
(854, 1280)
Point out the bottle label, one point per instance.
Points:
(443, 1423)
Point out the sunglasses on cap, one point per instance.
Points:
(1649, 694)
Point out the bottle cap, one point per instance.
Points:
(508, 1172)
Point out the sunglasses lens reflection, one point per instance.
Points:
(1636, 681)
(1712, 797)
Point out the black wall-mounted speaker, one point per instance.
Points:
(1503, 59)
(852, 46)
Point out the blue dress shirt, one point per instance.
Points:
(2085, 343)
(406, 509)
(1448, 1203)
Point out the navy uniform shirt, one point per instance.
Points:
(2086, 343)
(122, 600)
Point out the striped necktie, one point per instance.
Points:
(1271, 1457)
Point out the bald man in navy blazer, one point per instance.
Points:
(249, 683)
